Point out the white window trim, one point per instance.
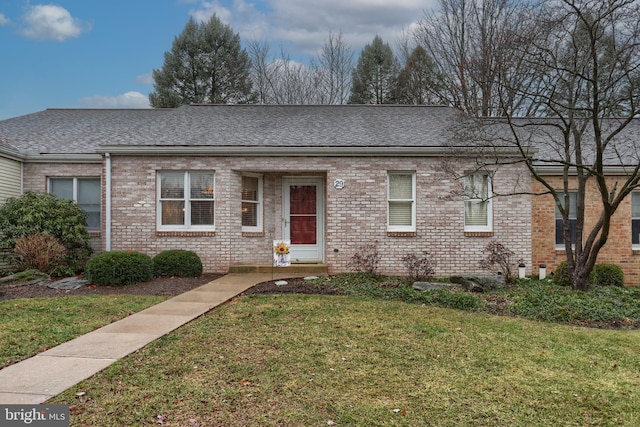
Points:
(561, 246)
(398, 228)
(488, 201)
(635, 247)
(75, 191)
(259, 202)
(187, 203)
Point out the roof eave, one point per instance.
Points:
(353, 151)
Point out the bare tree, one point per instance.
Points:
(586, 63)
(470, 42)
(334, 67)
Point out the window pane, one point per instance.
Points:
(202, 213)
(201, 185)
(172, 213)
(250, 188)
(573, 205)
(249, 214)
(635, 231)
(172, 185)
(476, 214)
(62, 187)
(635, 205)
(89, 191)
(476, 186)
(400, 214)
(400, 186)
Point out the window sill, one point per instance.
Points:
(401, 233)
(478, 234)
(253, 234)
(185, 233)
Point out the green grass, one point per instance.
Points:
(32, 325)
(270, 360)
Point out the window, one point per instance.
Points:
(635, 219)
(251, 203)
(573, 219)
(477, 204)
(186, 200)
(85, 192)
(401, 196)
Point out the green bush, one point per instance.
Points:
(45, 213)
(119, 268)
(178, 263)
(608, 275)
(561, 275)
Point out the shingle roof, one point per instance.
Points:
(84, 130)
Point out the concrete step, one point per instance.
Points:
(302, 269)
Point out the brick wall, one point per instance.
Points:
(617, 250)
(36, 175)
(355, 215)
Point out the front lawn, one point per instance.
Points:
(33, 325)
(309, 360)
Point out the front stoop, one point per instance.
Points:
(302, 269)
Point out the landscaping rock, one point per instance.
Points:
(281, 283)
(435, 286)
(68, 283)
(30, 277)
(479, 283)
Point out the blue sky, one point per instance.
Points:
(100, 54)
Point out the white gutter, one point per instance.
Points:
(107, 196)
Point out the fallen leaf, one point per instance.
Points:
(246, 382)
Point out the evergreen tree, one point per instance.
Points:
(375, 75)
(418, 82)
(206, 64)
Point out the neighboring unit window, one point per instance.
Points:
(186, 200)
(401, 196)
(635, 219)
(477, 205)
(573, 219)
(251, 203)
(85, 192)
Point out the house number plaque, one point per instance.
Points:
(338, 184)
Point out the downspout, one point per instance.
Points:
(107, 196)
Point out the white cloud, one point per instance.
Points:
(304, 25)
(126, 100)
(3, 20)
(51, 22)
(145, 79)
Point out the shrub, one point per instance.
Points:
(419, 268)
(177, 262)
(608, 275)
(366, 259)
(39, 251)
(118, 268)
(35, 212)
(561, 275)
(498, 260)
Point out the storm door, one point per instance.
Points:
(303, 218)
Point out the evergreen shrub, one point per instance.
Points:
(119, 268)
(177, 263)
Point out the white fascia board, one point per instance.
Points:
(63, 158)
(558, 170)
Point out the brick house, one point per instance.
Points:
(226, 181)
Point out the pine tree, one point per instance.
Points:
(375, 75)
(206, 64)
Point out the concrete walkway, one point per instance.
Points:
(47, 374)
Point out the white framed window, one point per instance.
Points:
(478, 206)
(251, 203)
(401, 200)
(186, 200)
(635, 220)
(85, 192)
(573, 219)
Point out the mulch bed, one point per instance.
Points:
(164, 286)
